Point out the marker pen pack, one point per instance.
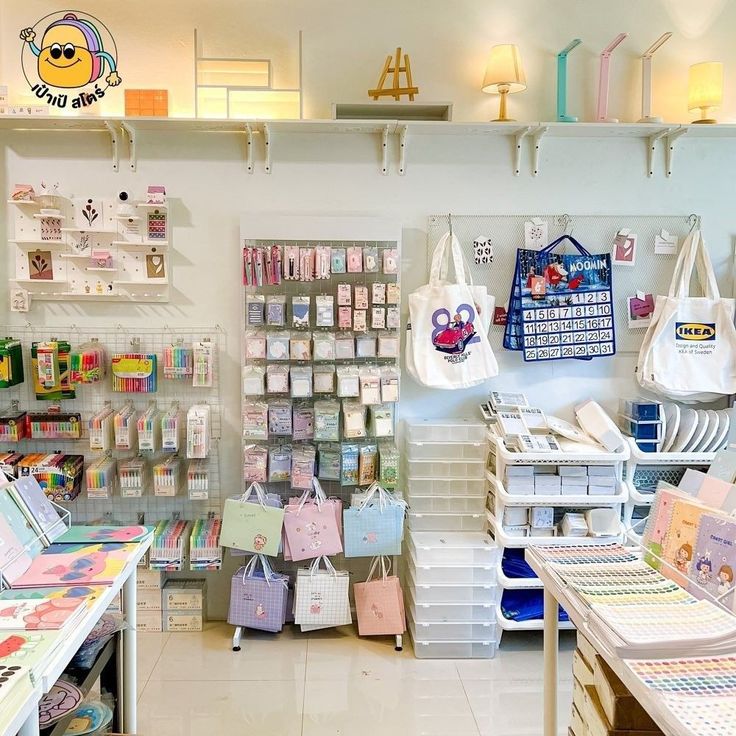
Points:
(178, 362)
(11, 362)
(87, 364)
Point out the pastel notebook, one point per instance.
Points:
(38, 614)
(715, 559)
(27, 649)
(679, 544)
(77, 564)
(19, 523)
(14, 560)
(41, 513)
(86, 593)
(102, 534)
(15, 682)
(658, 523)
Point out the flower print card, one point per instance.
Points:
(678, 550)
(624, 248)
(715, 559)
(77, 564)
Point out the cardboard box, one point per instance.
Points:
(185, 595)
(587, 650)
(596, 721)
(150, 580)
(581, 669)
(183, 620)
(577, 724)
(149, 621)
(622, 709)
(578, 694)
(149, 600)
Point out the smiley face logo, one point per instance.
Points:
(73, 53)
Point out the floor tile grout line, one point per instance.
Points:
(467, 698)
(304, 689)
(148, 679)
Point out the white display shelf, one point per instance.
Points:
(38, 216)
(36, 243)
(83, 256)
(26, 202)
(668, 458)
(146, 205)
(39, 282)
(536, 624)
(506, 540)
(508, 583)
(536, 499)
(90, 230)
(163, 244)
(70, 296)
(141, 284)
(637, 498)
(132, 218)
(95, 268)
(566, 457)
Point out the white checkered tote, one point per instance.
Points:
(322, 596)
(258, 598)
(376, 526)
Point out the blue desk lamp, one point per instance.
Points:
(562, 115)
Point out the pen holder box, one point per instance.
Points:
(13, 426)
(62, 426)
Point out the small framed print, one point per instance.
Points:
(155, 266)
(624, 249)
(40, 265)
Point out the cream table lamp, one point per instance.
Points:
(504, 75)
(705, 88)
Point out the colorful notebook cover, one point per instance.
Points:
(15, 680)
(27, 648)
(658, 524)
(19, 523)
(679, 544)
(88, 593)
(103, 534)
(41, 513)
(14, 560)
(77, 564)
(40, 613)
(715, 559)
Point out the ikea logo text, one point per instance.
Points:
(697, 331)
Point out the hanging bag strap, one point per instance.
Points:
(694, 257)
(329, 567)
(385, 568)
(439, 269)
(565, 236)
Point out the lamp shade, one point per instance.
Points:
(504, 69)
(705, 85)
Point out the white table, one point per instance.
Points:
(556, 593)
(26, 721)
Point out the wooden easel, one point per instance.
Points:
(395, 90)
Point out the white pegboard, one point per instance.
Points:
(139, 269)
(92, 397)
(596, 233)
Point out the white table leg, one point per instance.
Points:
(30, 727)
(237, 635)
(551, 647)
(130, 655)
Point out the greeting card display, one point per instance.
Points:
(561, 305)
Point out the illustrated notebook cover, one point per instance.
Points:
(38, 614)
(715, 559)
(77, 564)
(44, 518)
(679, 543)
(14, 560)
(87, 593)
(28, 649)
(103, 534)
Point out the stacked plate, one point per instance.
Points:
(694, 430)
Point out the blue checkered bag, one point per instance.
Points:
(258, 598)
(376, 526)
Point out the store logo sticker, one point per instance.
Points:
(695, 331)
(75, 51)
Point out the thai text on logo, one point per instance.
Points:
(69, 51)
(695, 331)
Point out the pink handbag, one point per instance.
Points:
(311, 526)
(379, 604)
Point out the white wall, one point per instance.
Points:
(206, 178)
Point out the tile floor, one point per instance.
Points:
(331, 683)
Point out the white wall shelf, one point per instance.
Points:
(535, 131)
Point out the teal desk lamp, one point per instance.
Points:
(562, 115)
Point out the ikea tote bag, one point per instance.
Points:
(254, 527)
(258, 599)
(689, 350)
(447, 340)
(379, 604)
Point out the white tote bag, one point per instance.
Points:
(689, 350)
(321, 599)
(447, 343)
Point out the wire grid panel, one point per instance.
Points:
(92, 397)
(596, 233)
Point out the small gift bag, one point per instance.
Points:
(375, 526)
(254, 526)
(379, 604)
(322, 597)
(311, 527)
(258, 598)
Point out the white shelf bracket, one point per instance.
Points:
(132, 152)
(651, 149)
(114, 139)
(402, 149)
(669, 150)
(384, 150)
(518, 138)
(267, 143)
(249, 148)
(537, 143)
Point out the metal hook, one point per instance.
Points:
(694, 221)
(449, 222)
(565, 220)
